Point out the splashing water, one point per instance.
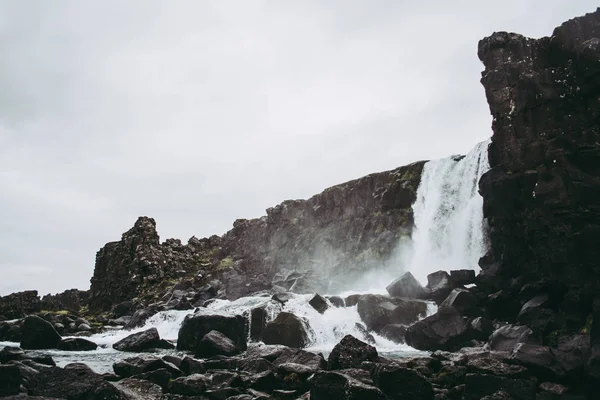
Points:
(450, 232)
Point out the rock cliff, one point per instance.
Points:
(299, 245)
(542, 194)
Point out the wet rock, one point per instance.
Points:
(540, 360)
(10, 378)
(140, 317)
(444, 330)
(132, 388)
(287, 329)
(141, 341)
(214, 343)
(258, 322)
(352, 300)
(536, 314)
(72, 383)
(481, 328)
(126, 308)
(9, 353)
(394, 332)
(142, 364)
(364, 333)
(337, 301)
(283, 297)
(195, 326)
(406, 286)
(334, 385)
(38, 334)
(507, 337)
(462, 277)
(479, 385)
(462, 300)
(84, 328)
(402, 383)
(193, 385)
(439, 286)
(162, 377)
(503, 305)
(377, 311)
(306, 358)
(350, 353)
(76, 344)
(319, 303)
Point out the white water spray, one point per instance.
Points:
(450, 232)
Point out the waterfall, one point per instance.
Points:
(450, 232)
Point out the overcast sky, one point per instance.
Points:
(200, 112)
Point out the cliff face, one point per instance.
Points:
(542, 194)
(343, 231)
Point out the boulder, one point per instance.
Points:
(329, 385)
(394, 332)
(78, 382)
(258, 322)
(481, 328)
(506, 338)
(195, 326)
(540, 360)
(10, 378)
(9, 353)
(406, 286)
(297, 356)
(141, 341)
(140, 317)
(376, 311)
(477, 386)
(536, 314)
(77, 344)
(319, 303)
(350, 353)
(283, 297)
(352, 300)
(142, 364)
(400, 383)
(462, 300)
(444, 330)
(337, 301)
(17, 305)
(287, 329)
(214, 343)
(439, 286)
(193, 385)
(38, 334)
(462, 277)
(131, 388)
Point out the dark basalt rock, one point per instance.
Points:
(394, 332)
(9, 353)
(439, 286)
(337, 301)
(193, 385)
(214, 343)
(319, 303)
(478, 386)
(286, 329)
(76, 344)
(350, 353)
(142, 364)
(38, 334)
(444, 330)
(72, 383)
(507, 337)
(141, 341)
(17, 305)
(402, 383)
(377, 311)
(462, 277)
(133, 387)
(542, 193)
(10, 378)
(258, 322)
(462, 301)
(306, 358)
(195, 326)
(334, 385)
(406, 286)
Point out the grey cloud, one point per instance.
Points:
(197, 113)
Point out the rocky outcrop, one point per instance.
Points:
(70, 300)
(542, 193)
(17, 305)
(343, 231)
(139, 265)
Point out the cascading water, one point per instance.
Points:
(450, 232)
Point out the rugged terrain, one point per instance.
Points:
(527, 327)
